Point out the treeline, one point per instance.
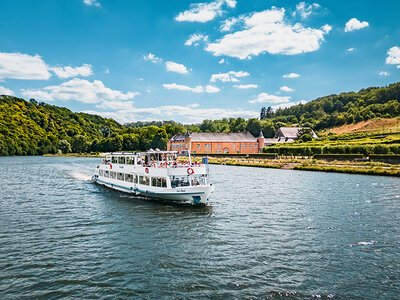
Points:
(336, 110)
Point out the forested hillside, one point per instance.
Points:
(346, 108)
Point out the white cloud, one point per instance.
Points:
(268, 31)
(80, 90)
(266, 98)
(192, 113)
(6, 91)
(196, 89)
(350, 50)
(291, 75)
(394, 56)
(151, 57)
(175, 67)
(66, 72)
(384, 73)
(92, 3)
(286, 89)
(246, 86)
(195, 38)
(204, 12)
(287, 105)
(353, 24)
(107, 71)
(117, 105)
(23, 66)
(221, 61)
(230, 76)
(228, 24)
(305, 10)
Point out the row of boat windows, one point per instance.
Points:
(145, 180)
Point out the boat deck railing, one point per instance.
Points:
(155, 164)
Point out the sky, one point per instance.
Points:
(187, 60)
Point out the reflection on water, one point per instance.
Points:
(269, 234)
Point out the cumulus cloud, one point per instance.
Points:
(116, 104)
(384, 73)
(291, 75)
(229, 23)
(393, 56)
(305, 10)
(195, 38)
(230, 76)
(175, 67)
(353, 24)
(204, 12)
(6, 91)
(196, 89)
(80, 90)
(268, 31)
(192, 113)
(287, 105)
(221, 61)
(266, 98)
(92, 3)
(23, 66)
(151, 57)
(350, 50)
(246, 86)
(66, 72)
(286, 89)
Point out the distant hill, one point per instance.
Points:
(30, 128)
(345, 108)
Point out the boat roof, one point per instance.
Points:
(150, 151)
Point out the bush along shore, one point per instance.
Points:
(383, 165)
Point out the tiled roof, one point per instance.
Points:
(218, 137)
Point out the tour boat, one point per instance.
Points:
(156, 174)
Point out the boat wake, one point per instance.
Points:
(80, 176)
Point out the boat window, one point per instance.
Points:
(114, 160)
(178, 181)
(198, 180)
(159, 181)
(101, 172)
(129, 177)
(113, 174)
(120, 176)
(121, 160)
(136, 179)
(130, 160)
(106, 173)
(144, 180)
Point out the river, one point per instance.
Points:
(269, 234)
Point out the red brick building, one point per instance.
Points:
(208, 142)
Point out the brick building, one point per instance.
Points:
(209, 142)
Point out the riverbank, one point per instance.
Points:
(364, 168)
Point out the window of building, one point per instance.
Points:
(120, 176)
(250, 145)
(255, 145)
(114, 159)
(245, 145)
(233, 146)
(219, 146)
(106, 173)
(198, 146)
(144, 180)
(121, 160)
(159, 181)
(129, 177)
(113, 175)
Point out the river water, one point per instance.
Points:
(269, 234)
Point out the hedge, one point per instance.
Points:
(338, 156)
(263, 155)
(220, 154)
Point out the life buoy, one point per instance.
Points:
(190, 171)
(146, 170)
(110, 166)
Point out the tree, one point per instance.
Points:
(64, 146)
(79, 143)
(254, 126)
(305, 138)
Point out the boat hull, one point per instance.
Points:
(198, 195)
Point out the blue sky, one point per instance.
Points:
(188, 61)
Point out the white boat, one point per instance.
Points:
(156, 174)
